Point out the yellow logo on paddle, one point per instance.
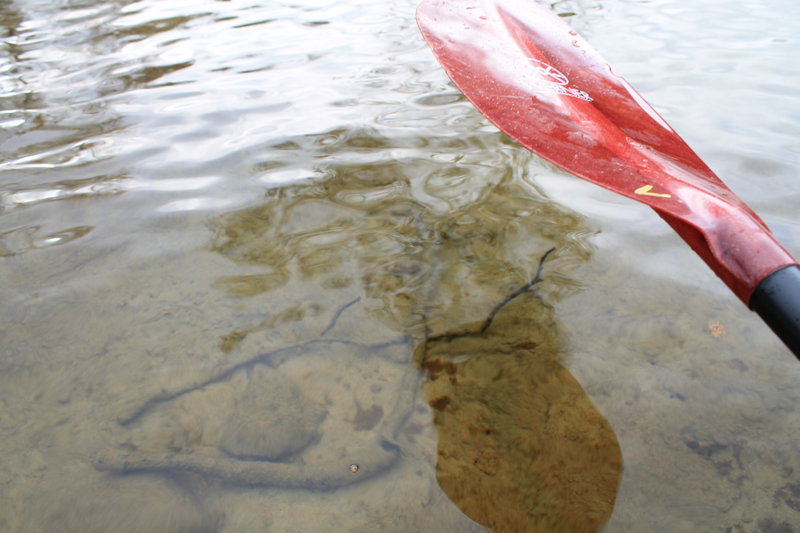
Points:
(645, 190)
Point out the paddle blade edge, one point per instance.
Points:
(541, 84)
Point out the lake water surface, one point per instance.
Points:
(258, 261)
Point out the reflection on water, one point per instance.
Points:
(417, 232)
(248, 254)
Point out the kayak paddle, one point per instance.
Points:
(545, 87)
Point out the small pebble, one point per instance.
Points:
(354, 468)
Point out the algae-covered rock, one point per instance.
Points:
(521, 446)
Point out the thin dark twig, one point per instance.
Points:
(337, 315)
(526, 287)
(272, 358)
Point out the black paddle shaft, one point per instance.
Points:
(777, 301)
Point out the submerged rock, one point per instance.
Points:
(272, 420)
(521, 446)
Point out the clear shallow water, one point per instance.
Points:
(218, 217)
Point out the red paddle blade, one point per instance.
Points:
(540, 83)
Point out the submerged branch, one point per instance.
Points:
(493, 313)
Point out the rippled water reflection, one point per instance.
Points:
(248, 251)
